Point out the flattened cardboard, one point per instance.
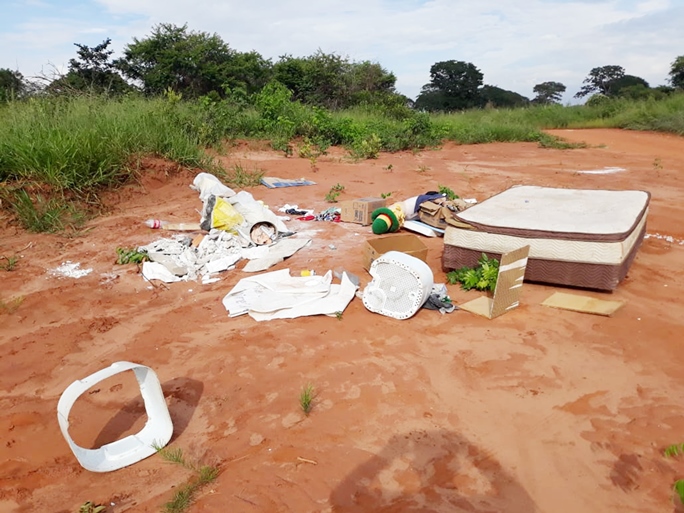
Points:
(406, 243)
(508, 286)
(439, 216)
(584, 304)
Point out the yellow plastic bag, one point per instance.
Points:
(225, 217)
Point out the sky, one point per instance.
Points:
(516, 44)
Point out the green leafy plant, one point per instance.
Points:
(306, 397)
(130, 256)
(482, 277)
(89, 507)
(450, 194)
(338, 315)
(334, 193)
(389, 167)
(367, 148)
(10, 262)
(385, 195)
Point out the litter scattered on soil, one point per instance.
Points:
(70, 270)
(604, 171)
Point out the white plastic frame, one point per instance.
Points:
(121, 453)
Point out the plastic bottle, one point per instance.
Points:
(165, 225)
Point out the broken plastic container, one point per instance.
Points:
(401, 285)
(121, 453)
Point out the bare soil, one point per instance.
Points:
(540, 410)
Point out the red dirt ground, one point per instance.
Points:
(540, 410)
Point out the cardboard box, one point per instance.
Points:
(409, 244)
(360, 210)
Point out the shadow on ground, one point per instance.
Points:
(431, 471)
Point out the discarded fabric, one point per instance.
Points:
(278, 295)
(273, 182)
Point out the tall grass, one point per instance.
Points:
(71, 147)
(81, 143)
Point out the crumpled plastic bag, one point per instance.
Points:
(221, 215)
(208, 185)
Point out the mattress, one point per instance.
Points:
(577, 237)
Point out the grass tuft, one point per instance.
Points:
(8, 263)
(240, 177)
(184, 495)
(10, 306)
(306, 397)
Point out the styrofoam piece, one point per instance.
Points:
(113, 456)
(401, 285)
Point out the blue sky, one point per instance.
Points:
(515, 43)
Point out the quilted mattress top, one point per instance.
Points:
(563, 213)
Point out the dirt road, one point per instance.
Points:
(540, 410)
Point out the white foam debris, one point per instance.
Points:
(604, 171)
(666, 238)
(70, 269)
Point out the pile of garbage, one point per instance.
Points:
(239, 226)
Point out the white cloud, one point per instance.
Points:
(516, 44)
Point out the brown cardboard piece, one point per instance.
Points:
(508, 286)
(406, 243)
(440, 216)
(359, 210)
(584, 304)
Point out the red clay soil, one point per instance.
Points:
(540, 410)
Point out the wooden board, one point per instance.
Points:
(584, 304)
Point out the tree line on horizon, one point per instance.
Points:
(198, 64)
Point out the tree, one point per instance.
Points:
(12, 85)
(332, 81)
(548, 92)
(92, 71)
(191, 63)
(599, 79)
(497, 97)
(454, 85)
(628, 85)
(677, 73)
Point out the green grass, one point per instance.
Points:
(184, 495)
(306, 397)
(58, 154)
(8, 263)
(240, 177)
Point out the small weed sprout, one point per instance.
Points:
(671, 451)
(389, 167)
(657, 164)
(306, 397)
(385, 195)
(422, 168)
(10, 306)
(185, 494)
(8, 263)
(338, 314)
